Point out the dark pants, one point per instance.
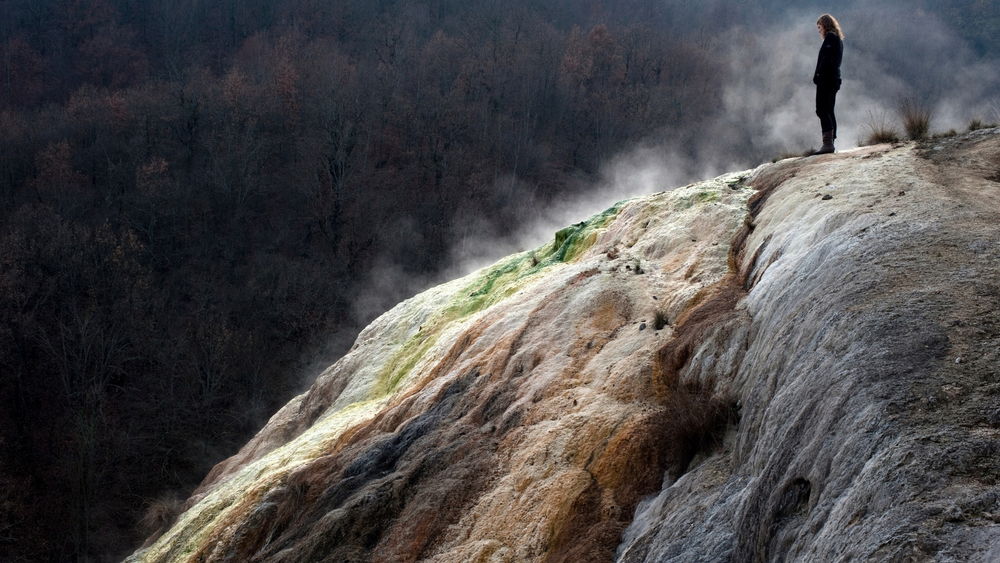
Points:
(826, 97)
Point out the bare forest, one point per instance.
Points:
(194, 197)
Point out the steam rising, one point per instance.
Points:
(891, 52)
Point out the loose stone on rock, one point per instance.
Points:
(953, 513)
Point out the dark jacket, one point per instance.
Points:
(828, 66)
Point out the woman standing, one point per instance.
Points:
(827, 78)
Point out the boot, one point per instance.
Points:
(827, 147)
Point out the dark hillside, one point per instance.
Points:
(198, 201)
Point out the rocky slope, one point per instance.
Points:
(795, 362)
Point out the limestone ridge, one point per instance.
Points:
(742, 369)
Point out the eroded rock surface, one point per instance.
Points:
(740, 369)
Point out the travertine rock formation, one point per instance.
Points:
(743, 369)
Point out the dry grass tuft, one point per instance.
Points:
(916, 116)
(880, 130)
(660, 321)
(977, 124)
(698, 423)
(160, 515)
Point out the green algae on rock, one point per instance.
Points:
(482, 324)
(518, 414)
(492, 285)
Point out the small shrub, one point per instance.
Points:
(880, 130)
(916, 118)
(660, 320)
(976, 124)
(699, 422)
(161, 514)
(637, 267)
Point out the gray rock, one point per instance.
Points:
(846, 448)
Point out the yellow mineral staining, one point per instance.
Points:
(563, 452)
(488, 287)
(201, 522)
